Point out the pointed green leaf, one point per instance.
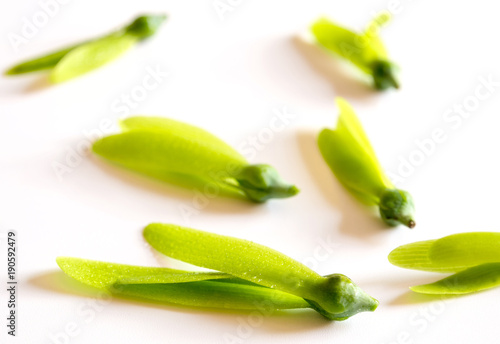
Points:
(466, 249)
(103, 275)
(334, 296)
(214, 294)
(91, 55)
(473, 279)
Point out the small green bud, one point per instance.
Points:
(384, 75)
(262, 182)
(145, 26)
(396, 207)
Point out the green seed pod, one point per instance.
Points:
(81, 58)
(160, 147)
(335, 296)
(366, 51)
(350, 156)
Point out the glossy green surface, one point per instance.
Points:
(334, 296)
(189, 288)
(214, 294)
(103, 275)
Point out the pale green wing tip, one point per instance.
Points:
(411, 256)
(153, 232)
(102, 146)
(60, 262)
(428, 289)
(65, 262)
(320, 22)
(342, 104)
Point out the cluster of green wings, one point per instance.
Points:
(365, 50)
(253, 277)
(473, 258)
(178, 152)
(349, 154)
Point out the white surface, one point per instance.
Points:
(229, 76)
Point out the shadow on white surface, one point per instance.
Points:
(339, 74)
(357, 220)
(279, 321)
(411, 297)
(41, 82)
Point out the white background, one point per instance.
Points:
(229, 75)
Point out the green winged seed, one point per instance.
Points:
(366, 51)
(103, 275)
(189, 288)
(334, 296)
(81, 58)
(160, 146)
(471, 280)
(350, 156)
